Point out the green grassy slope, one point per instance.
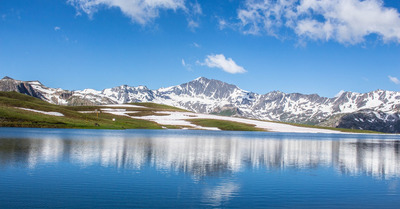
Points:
(225, 125)
(14, 117)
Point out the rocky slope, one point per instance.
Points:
(204, 95)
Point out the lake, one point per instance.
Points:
(64, 168)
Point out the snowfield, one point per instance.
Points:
(180, 119)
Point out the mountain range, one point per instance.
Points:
(377, 110)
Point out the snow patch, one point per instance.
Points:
(42, 112)
(123, 105)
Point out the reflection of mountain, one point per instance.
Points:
(205, 156)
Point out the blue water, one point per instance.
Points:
(56, 168)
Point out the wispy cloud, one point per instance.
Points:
(193, 15)
(186, 65)
(219, 61)
(196, 45)
(192, 24)
(394, 79)
(344, 21)
(56, 28)
(140, 11)
(222, 24)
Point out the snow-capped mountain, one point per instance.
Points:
(204, 95)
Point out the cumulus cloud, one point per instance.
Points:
(344, 21)
(219, 61)
(394, 79)
(140, 11)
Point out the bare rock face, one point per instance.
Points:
(371, 120)
(204, 95)
(9, 84)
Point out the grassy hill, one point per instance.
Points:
(10, 116)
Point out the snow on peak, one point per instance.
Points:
(35, 83)
(141, 87)
(200, 78)
(340, 93)
(89, 91)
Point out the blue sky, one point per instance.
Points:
(306, 46)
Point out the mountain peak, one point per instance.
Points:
(6, 77)
(201, 79)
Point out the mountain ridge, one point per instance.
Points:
(205, 95)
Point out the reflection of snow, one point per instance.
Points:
(217, 155)
(221, 193)
(48, 150)
(381, 160)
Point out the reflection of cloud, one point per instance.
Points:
(221, 193)
(202, 156)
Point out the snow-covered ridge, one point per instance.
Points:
(204, 95)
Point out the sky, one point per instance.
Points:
(304, 46)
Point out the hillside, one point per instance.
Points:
(55, 116)
(19, 110)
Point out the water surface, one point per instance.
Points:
(56, 168)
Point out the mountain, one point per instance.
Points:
(377, 110)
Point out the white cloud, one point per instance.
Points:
(394, 79)
(219, 61)
(140, 11)
(344, 21)
(57, 28)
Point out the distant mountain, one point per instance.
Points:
(377, 110)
